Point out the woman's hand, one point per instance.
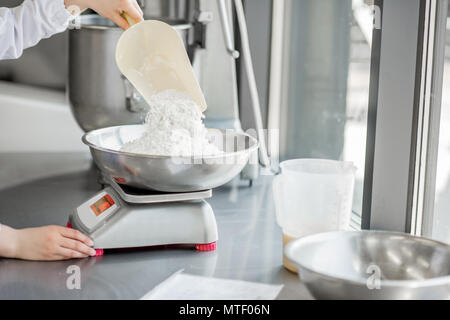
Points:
(45, 243)
(111, 9)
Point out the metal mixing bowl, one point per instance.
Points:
(347, 265)
(168, 174)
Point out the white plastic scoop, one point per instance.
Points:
(152, 56)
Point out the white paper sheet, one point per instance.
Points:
(181, 286)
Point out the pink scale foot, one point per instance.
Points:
(98, 252)
(206, 246)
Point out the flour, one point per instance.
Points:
(173, 127)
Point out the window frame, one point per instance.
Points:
(404, 113)
(406, 80)
(426, 212)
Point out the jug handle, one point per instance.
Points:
(276, 190)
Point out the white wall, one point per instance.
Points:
(36, 120)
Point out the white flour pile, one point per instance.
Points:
(174, 127)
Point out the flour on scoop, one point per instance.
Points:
(173, 127)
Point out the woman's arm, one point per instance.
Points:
(44, 243)
(7, 242)
(24, 26)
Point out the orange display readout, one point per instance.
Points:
(102, 204)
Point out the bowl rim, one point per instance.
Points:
(177, 24)
(350, 166)
(253, 147)
(363, 282)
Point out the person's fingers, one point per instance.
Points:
(138, 8)
(65, 254)
(132, 12)
(76, 235)
(76, 246)
(120, 21)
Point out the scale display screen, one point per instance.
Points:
(102, 204)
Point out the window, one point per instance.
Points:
(407, 158)
(364, 81)
(441, 221)
(324, 71)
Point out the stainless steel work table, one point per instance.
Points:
(42, 189)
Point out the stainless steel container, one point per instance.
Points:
(163, 173)
(172, 9)
(371, 265)
(99, 95)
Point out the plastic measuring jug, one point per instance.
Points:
(313, 196)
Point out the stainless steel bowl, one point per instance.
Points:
(348, 265)
(168, 174)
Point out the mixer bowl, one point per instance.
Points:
(347, 265)
(163, 173)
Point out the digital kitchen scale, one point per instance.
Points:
(120, 216)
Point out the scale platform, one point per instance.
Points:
(120, 216)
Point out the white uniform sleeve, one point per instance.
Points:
(24, 26)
